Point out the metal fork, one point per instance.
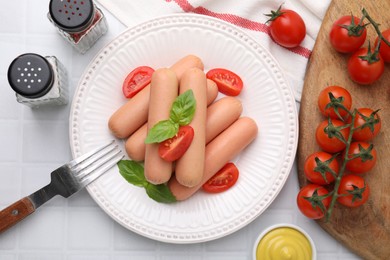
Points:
(65, 181)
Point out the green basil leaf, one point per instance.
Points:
(183, 108)
(133, 172)
(160, 193)
(162, 131)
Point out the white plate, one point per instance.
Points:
(264, 165)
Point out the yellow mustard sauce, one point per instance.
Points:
(284, 243)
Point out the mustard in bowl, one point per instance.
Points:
(284, 242)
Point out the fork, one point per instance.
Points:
(65, 181)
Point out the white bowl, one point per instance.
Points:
(267, 230)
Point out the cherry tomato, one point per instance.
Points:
(364, 163)
(328, 138)
(316, 208)
(287, 27)
(228, 82)
(317, 167)
(340, 96)
(346, 35)
(223, 179)
(174, 148)
(136, 80)
(362, 71)
(384, 49)
(353, 191)
(370, 124)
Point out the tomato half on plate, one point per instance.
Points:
(228, 82)
(174, 148)
(223, 179)
(137, 80)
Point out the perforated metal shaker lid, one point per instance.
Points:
(30, 75)
(72, 15)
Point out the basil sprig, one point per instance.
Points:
(133, 172)
(183, 108)
(162, 131)
(182, 112)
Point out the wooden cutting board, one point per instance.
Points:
(365, 230)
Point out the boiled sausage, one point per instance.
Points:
(135, 144)
(189, 167)
(134, 113)
(221, 115)
(219, 151)
(163, 91)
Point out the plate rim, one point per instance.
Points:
(104, 51)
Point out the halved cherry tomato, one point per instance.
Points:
(313, 201)
(329, 139)
(370, 121)
(228, 82)
(223, 179)
(136, 80)
(174, 148)
(340, 96)
(317, 168)
(353, 191)
(365, 162)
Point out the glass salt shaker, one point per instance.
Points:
(38, 80)
(80, 22)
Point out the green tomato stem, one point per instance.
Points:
(333, 173)
(376, 27)
(335, 194)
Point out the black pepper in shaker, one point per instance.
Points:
(38, 80)
(81, 23)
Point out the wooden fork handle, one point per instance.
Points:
(15, 213)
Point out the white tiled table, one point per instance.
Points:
(34, 142)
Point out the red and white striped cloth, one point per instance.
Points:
(247, 14)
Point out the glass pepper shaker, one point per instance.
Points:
(80, 22)
(38, 80)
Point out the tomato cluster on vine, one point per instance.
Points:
(336, 172)
(366, 64)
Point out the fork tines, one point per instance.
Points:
(91, 165)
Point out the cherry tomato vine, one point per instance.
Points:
(346, 134)
(322, 204)
(347, 35)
